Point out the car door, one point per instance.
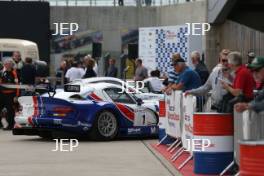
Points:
(139, 115)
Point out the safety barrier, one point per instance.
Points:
(179, 125)
(115, 2)
(249, 126)
(219, 132)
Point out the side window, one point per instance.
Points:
(118, 97)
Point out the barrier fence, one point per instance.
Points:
(249, 126)
(213, 139)
(116, 2)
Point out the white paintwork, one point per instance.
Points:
(98, 89)
(28, 110)
(117, 81)
(25, 47)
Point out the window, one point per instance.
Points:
(5, 55)
(108, 81)
(118, 97)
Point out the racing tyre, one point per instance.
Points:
(105, 126)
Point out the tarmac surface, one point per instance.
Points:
(31, 156)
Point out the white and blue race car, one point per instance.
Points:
(101, 111)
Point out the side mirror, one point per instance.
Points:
(139, 101)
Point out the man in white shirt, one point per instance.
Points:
(74, 72)
(155, 82)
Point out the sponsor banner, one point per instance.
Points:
(147, 45)
(174, 114)
(189, 105)
(157, 44)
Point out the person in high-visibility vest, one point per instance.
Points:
(9, 76)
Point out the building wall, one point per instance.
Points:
(233, 36)
(113, 20)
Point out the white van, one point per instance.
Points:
(25, 47)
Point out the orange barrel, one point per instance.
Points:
(251, 158)
(218, 131)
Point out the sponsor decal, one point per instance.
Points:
(173, 116)
(134, 131)
(153, 130)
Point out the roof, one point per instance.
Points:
(97, 86)
(95, 79)
(16, 42)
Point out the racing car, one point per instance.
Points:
(101, 111)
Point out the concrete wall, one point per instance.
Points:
(113, 20)
(233, 36)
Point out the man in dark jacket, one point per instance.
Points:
(200, 67)
(28, 72)
(112, 70)
(89, 71)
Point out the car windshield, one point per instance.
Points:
(130, 85)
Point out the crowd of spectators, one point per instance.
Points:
(230, 83)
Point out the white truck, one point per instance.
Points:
(25, 47)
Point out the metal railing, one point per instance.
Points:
(116, 2)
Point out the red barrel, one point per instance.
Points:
(213, 124)
(218, 129)
(251, 158)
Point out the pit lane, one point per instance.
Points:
(30, 156)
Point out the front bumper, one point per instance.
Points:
(30, 131)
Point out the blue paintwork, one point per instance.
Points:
(211, 162)
(82, 118)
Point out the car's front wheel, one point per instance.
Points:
(105, 126)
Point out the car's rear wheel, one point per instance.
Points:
(105, 126)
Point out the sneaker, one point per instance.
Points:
(4, 123)
(7, 128)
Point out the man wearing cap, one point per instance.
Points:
(257, 105)
(173, 76)
(188, 79)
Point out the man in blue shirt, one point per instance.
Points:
(188, 78)
(173, 76)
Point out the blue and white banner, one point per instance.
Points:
(157, 44)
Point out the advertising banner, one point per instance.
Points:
(157, 44)
(174, 114)
(189, 104)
